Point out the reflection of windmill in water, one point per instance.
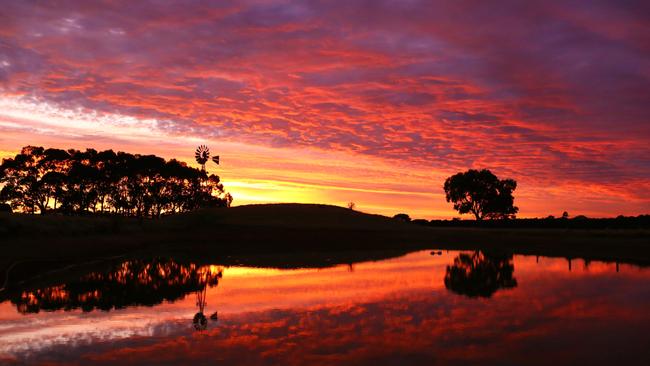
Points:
(208, 276)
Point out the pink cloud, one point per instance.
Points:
(548, 94)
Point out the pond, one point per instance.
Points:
(425, 307)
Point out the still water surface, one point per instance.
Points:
(446, 308)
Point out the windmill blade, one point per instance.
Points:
(202, 154)
(215, 159)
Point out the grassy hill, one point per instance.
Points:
(282, 228)
(288, 216)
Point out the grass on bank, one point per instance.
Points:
(282, 228)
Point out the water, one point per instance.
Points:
(449, 308)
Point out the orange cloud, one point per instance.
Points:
(554, 96)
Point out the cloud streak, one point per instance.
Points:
(543, 92)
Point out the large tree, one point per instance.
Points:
(73, 181)
(482, 194)
(22, 176)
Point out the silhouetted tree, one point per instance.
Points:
(565, 215)
(351, 205)
(481, 193)
(73, 181)
(402, 217)
(480, 274)
(21, 176)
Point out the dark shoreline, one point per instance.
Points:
(277, 232)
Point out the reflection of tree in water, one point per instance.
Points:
(480, 274)
(134, 282)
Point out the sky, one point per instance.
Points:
(375, 102)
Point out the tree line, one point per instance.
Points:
(39, 180)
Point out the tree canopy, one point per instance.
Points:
(72, 181)
(402, 217)
(482, 194)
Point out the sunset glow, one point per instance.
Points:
(372, 102)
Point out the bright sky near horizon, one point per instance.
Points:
(375, 102)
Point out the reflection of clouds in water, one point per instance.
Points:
(30, 339)
(126, 284)
(253, 290)
(415, 326)
(396, 307)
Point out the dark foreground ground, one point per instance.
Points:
(285, 235)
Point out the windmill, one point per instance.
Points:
(202, 155)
